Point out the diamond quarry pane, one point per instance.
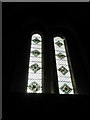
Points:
(34, 86)
(63, 70)
(35, 67)
(58, 43)
(36, 40)
(60, 55)
(35, 53)
(65, 88)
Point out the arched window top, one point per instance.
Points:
(37, 37)
(59, 37)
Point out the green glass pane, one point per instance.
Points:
(58, 43)
(63, 70)
(34, 86)
(35, 67)
(35, 53)
(60, 55)
(36, 41)
(66, 89)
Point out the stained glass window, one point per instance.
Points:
(63, 70)
(34, 84)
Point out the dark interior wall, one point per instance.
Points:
(19, 20)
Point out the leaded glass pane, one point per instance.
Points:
(34, 84)
(63, 70)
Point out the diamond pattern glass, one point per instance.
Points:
(66, 89)
(35, 53)
(60, 55)
(35, 67)
(34, 87)
(34, 84)
(58, 43)
(36, 41)
(63, 70)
